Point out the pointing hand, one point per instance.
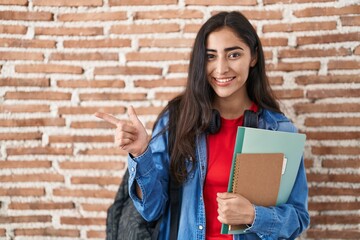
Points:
(130, 135)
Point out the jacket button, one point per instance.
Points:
(201, 227)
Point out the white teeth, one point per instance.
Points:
(223, 80)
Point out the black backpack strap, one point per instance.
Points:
(251, 119)
(174, 209)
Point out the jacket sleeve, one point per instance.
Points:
(151, 171)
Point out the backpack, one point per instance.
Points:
(124, 222)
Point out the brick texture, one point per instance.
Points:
(63, 60)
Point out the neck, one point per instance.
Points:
(232, 109)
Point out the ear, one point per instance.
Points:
(254, 59)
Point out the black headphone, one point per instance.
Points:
(251, 119)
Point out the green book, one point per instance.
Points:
(255, 140)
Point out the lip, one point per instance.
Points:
(222, 81)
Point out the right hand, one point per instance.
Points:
(130, 135)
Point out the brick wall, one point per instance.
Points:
(62, 60)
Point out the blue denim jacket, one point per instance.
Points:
(151, 172)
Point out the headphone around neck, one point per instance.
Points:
(251, 119)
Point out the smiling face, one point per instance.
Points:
(228, 62)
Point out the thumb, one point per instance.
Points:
(132, 115)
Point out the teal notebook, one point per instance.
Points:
(255, 140)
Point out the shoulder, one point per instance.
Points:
(275, 121)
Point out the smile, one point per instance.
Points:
(224, 80)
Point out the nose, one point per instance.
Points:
(222, 66)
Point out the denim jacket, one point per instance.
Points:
(151, 172)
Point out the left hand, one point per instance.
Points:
(234, 209)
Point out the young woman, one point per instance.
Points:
(226, 73)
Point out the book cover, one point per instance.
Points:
(255, 140)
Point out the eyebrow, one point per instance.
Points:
(226, 49)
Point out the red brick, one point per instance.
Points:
(14, 2)
(43, 177)
(166, 43)
(68, 3)
(338, 219)
(25, 219)
(90, 124)
(141, 2)
(327, 11)
(329, 177)
(38, 95)
(2, 232)
(335, 150)
(9, 192)
(99, 193)
(220, 2)
(343, 64)
(313, 79)
(263, 15)
(90, 16)
(39, 151)
(32, 122)
(28, 82)
(357, 51)
(91, 83)
(268, 2)
(333, 206)
(329, 38)
(81, 139)
(289, 67)
(90, 110)
(330, 93)
(96, 56)
(21, 56)
(157, 56)
(102, 43)
(169, 14)
(24, 43)
(177, 82)
(96, 180)
(82, 221)
(145, 28)
(332, 191)
(48, 68)
(13, 29)
(26, 16)
(278, 80)
(351, 21)
(25, 164)
(166, 95)
(41, 205)
(178, 68)
(96, 234)
(289, 93)
(151, 110)
(349, 121)
(274, 42)
(104, 165)
(332, 135)
(22, 136)
(332, 234)
(50, 232)
(127, 71)
(69, 31)
(24, 108)
(301, 53)
(112, 96)
(192, 28)
(340, 163)
(104, 151)
(326, 107)
(95, 207)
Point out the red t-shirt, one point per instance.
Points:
(220, 152)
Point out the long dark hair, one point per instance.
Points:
(190, 113)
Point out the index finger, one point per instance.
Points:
(107, 117)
